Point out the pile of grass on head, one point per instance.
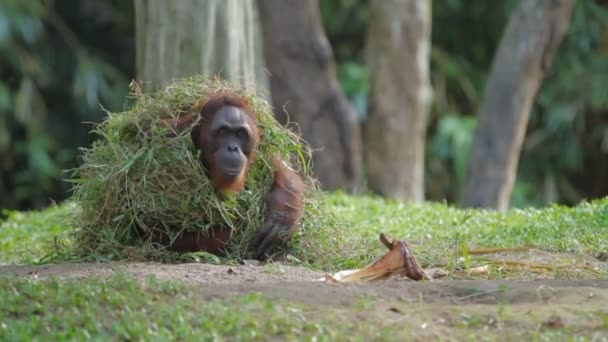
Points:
(136, 179)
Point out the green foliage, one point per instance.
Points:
(60, 59)
(451, 144)
(355, 84)
(565, 156)
(345, 22)
(564, 147)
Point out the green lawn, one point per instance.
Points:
(436, 231)
(125, 308)
(29, 237)
(122, 308)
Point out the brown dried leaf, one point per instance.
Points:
(398, 261)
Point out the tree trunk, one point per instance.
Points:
(398, 53)
(526, 50)
(213, 37)
(304, 89)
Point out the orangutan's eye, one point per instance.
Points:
(222, 131)
(242, 133)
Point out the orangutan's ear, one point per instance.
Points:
(197, 136)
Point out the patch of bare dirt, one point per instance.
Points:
(296, 283)
(194, 272)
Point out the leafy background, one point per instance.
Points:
(60, 61)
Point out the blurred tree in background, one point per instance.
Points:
(59, 61)
(565, 155)
(521, 62)
(176, 39)
(306, 93)
(397, 57)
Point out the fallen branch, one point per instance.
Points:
(482, 251)
(547, 267)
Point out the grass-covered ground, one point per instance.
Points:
(438, 233)
(122, 308)
(29, 237)
(565, 243)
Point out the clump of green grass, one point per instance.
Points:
(136, 180)
(437, 232)
(35, 236)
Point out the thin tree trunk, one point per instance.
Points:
(398, 48)
(213, 37)
(524, 56)
(304, 89)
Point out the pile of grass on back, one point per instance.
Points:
(132, 181)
